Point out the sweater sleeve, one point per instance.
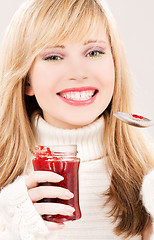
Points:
(147, 193)
(19, 219)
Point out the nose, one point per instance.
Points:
(77, 71)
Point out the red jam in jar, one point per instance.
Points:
(62, 160)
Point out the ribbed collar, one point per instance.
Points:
(88, 138)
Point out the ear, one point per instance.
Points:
(28, 89)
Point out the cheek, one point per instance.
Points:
(108, 83)
(106, 73)
(109, 71)
(43, 80)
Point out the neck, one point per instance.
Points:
(88, 138)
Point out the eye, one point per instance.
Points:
(52, 58)
(95, 53)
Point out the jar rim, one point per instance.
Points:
(63, 148)
(56, 149)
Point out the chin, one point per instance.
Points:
(81, 123)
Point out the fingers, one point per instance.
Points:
(53, 208)
(49, 192)
(39, 192)
(41, 176)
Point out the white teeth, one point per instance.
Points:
(78, 96)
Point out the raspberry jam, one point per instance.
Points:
(61, 160)
(137, 116)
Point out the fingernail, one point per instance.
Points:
(70, 210)
(69, 194)
(60, 178)
(61, 225)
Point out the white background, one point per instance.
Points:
(135, 19)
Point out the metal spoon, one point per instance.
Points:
(134, 119)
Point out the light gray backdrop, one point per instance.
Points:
(135, 19)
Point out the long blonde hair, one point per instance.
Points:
(34, 26)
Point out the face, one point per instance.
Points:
(74, 82)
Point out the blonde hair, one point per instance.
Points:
(34, 26)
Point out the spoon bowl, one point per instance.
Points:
(134, 119)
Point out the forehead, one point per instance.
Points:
(90, 23)
(96, 34)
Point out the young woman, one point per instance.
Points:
(63, 73)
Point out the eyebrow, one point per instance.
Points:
(85, 43)
(58, 46)
(94, 41)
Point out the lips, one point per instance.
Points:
(78, 96)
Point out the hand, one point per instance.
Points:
(147, 233)
(37, 193)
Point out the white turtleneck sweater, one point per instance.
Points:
(19, 219)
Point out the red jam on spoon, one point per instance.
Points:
(137, 116)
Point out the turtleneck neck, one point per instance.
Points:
(88, 138)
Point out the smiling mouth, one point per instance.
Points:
(78, 95)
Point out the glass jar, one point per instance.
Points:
(61, 159)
